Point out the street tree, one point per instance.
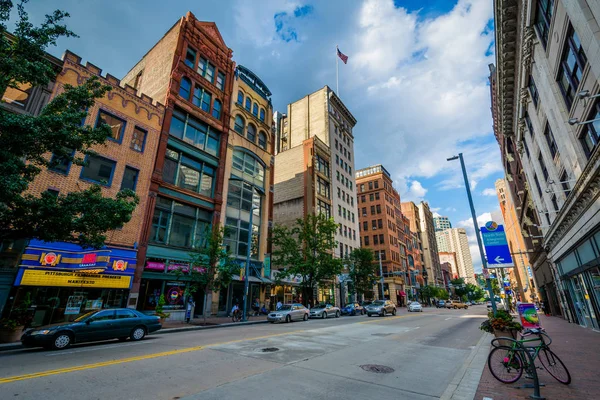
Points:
(361, 270)
(26, 143)
(211, 267)
(306, 250)
(460, 289)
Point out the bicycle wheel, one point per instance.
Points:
(505, 364)
(554, 366)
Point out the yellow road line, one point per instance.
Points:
(131, 359)
(97, 365)
(389, 318)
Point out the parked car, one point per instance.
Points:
(353, 309)
(381, 307)
(489, 304)
(119, 323)
(468, 303)
(456, 304)
(324, 310)
(289, 313)
(440, 304)
(415, 306)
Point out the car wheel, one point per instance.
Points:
(362, 312)
(368, 314)
(455, 307)
(272, 322)
(62, 340)
(305, 318)
(467, 307)
(383, 313)
(324, 315)
(394, 312)
(353, 313)
(122, 339)
(288, 319)
(138, 333)
(337, 314)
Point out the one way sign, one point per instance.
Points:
(496, 246)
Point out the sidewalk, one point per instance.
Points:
(211, 321)
(578, 348)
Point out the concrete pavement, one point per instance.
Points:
(320, 359)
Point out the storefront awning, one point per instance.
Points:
(252, 279)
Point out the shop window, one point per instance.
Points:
(117, 125)
(98, 170)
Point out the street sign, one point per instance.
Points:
(496, 246)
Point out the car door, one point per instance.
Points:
(125, 320)
(97, 327)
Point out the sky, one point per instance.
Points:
(416, 78)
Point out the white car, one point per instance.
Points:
(415, 306)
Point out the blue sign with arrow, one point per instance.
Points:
(496, 246)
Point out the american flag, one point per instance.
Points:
(342, 56)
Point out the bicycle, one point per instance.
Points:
(237, 315)
(506, 363)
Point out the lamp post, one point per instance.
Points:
(475, 225)
(381, 275)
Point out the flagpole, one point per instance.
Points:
(337, 83)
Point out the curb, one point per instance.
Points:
(466, 380)
(18, 345)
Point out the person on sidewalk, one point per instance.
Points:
(278, 305)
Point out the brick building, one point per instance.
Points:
(381, 229)
(90, 278)
(190, 69)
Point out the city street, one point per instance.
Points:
(318, 359)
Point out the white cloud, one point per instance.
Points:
(489, 192)
(452, 209)
(412, 191)
(261, 31)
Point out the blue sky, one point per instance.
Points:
(416, 79)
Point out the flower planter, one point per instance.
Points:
(511, 333)
(11, 336)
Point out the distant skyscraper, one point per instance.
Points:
(455, 240)
(441, 223)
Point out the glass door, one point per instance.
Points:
(581, 304)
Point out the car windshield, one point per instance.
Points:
(378, 303)
(85, 316)
(350, 306)
(285, 307)
(322, 305)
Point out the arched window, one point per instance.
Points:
(239, 125)
(248, 167)
(262, 115)
(251, 133)
(248, 103)
(255, 109)
(240, 97)
(185, 86)
(216, 112)
(262, 140)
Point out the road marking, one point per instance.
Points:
(132, 359)
(448, 318)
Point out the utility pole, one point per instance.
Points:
(475, 225)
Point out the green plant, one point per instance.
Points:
(20, 316)
(159, 308)
(502, 321)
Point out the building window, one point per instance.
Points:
(372, 210)
(130, 177)
(571, 67)
(322, 187)
(377, 184)
(255, 109)
(248, 168)
(220, 81)
(554, 203)
(190, 57)
(248, 103)
(543, 166)
(377, 196)
(526, 148)
(180, 225)
(322, 165)
(380, 223)
(240, 98)
(251, 133)
(323, 208)
(378, 209)
(543, 19)
(98, 170)
(533, 91)
(262, 115)
(185, 86)
(371, 185)
(216, 112)
(564, 181)
(195, 132)
(374, 224)
(381, 239)
(60, 164)
(365, 226)
(375, 239)
(138, 140)
(18, 96)
(202, 98)
(371, 197)
(241, 201)
(537, 185)
(188, 173)
(262, 140)
(528, 123)
(590, 135)
(117, 125)
(239, 125)
(550, 140)
(206, 69)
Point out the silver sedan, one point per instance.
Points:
(324, 311)
(289, 313)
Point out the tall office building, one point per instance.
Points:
(441, 223)
(430, 248)
(458, 243)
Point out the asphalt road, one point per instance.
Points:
(318, 359)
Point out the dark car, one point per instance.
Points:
(116, 323)
(353, 309)
(440, 304)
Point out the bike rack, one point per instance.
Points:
(530, 369)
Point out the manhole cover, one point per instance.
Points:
(378, 369)
(269, 349)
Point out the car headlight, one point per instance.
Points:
(41, 332)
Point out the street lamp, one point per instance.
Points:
(475, 225)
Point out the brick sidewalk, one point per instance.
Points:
(209, 321)
(578, 348)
